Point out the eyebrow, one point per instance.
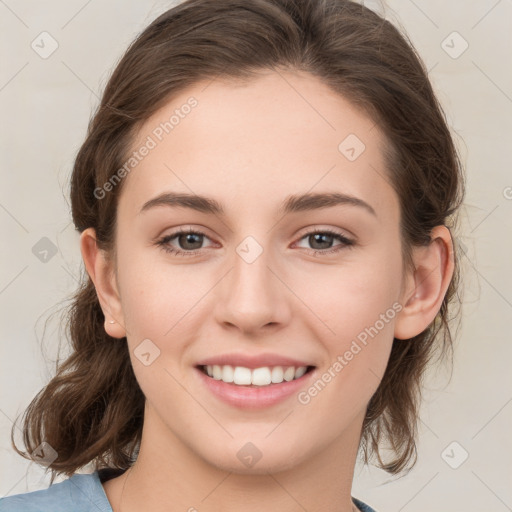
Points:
(292, 204)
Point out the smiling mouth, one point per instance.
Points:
(257, 377)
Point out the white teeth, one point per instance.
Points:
(263, 376)
(217, 372)
(289, 373)
(228, 373)
(299, 372)
(277, 374)
(242, 376)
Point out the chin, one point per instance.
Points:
(255, 458)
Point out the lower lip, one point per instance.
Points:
(253, 397)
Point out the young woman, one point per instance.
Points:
(265, 197)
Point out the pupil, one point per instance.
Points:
(189, 237)
(321, 235)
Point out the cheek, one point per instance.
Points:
(159, 300)
(159, 304)
(356, 331)
(346, 299)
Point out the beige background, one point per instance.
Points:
(45, 106)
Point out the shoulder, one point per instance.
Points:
(78, 493)
(363, 507)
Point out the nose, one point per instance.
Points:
(253, 296)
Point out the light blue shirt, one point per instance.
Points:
(80, 493)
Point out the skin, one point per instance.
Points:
(288, 301)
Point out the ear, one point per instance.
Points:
(427, 285)
(102, 274)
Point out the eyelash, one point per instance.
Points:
(346, 243)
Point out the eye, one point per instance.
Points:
(190, 240)
(323, 239)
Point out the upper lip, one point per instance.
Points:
(253, 361)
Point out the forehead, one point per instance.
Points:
(278, 134)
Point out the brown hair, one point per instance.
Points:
(92, 410)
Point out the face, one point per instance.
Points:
(263, 273)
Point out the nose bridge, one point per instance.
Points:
(251, 297)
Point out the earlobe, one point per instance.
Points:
(422, 300)
(100, 272)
